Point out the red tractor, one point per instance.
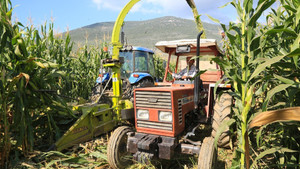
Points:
(167, 115)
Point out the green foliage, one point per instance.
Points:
(197, 19)
(277, 142)
(39, 73)
(160, 66)
(262, 64)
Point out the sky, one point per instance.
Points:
(72, 14)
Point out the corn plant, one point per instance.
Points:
(24, 80)
(197, 19)
(38, 74)
(82, 71)
(261, 60)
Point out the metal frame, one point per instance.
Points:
(116, 74)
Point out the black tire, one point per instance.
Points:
(208, 154)
(222, 110)
(128, 89)
(145, 83)
(116, 149)
(96, 92)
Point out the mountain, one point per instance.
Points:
(145, 33)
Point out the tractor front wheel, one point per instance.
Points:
(208, 154)
(222, 109)
(96, 92)
(117, 154)
(143, 83)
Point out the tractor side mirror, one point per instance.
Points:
(183, 49)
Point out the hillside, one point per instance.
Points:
(145, 33)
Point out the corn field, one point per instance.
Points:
(41, 74)
(263, 66)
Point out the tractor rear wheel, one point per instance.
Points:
(208, 154)
(117, 154)
(222, 109)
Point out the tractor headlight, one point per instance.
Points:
(142, 114)
(165, 116)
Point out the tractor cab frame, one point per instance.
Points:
(138, 64)
(207, 78)
(207, 47)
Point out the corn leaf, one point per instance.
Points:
(288, 7)
(259, 10)
(17, 78)
(97, 154)
(281, 30)
(298, 15)
(267, 117)
(40, 64)
(272, 92)
(284, 80)
(76, 160)
(271, 151)
(225, 5)
(263, 66)
(258, 135)
(213, 19)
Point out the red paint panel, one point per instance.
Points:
(155, 131)
(153, 115)
(178, 94)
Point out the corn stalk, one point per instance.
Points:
(38, 74)
(253, 66)
(197, 19)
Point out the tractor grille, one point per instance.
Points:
(151, 99)
(180, 111)
(154, 125)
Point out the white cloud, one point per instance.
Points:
(139, 7)
(143, 5)
(115, 5)
(177, 8)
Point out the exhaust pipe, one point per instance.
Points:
(197, 79)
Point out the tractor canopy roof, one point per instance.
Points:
(207, 47)
(138, 48)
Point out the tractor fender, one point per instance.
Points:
(211, 97)
(136, 77)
